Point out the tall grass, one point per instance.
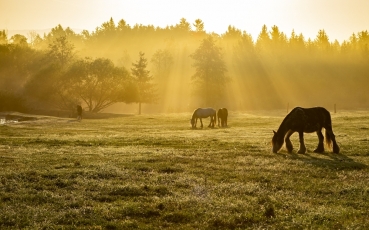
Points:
(153, 171)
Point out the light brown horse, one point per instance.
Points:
(204, 113)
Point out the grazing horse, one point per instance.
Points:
(222, 117)
(304, 120)
(204, 113)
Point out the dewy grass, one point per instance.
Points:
(154, 171)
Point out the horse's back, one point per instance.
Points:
(222, 112)
(310, 112)
(225, 112)
(318, 114)
(309, 118)
(204, 112)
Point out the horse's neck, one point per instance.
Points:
(194, 116)
(283, 128)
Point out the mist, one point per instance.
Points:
(275, 71)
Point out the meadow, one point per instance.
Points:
(155, 172)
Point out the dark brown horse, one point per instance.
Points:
(222, 117)
(303, 120)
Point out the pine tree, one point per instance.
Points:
(146, 89)
(209, 78)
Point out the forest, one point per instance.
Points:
(179, 68)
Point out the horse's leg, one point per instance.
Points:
(289, 145)
(211, 124)
(302, 144)
(320, 147)
(201, 122)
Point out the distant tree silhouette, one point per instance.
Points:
(263, 41)
(322, 41)
(48, 88)
(199, 25)
(232, 34)
(296, 43)
(3, 37)
(162, 61)
(363, 40)
(184, 25)
(209, 78)
(278, 39)
(48, 85)
(146, 89)
(19, 39)
(18, 64)
(61, 50)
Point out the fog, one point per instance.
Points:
(276, 71)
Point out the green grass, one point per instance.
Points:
(153, 171)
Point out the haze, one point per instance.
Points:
(267, 54)
(339, 18)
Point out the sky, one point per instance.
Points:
(339, 18)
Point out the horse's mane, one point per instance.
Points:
(285, 120)
(194, 113)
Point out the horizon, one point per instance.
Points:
(339, 18)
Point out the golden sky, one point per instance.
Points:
(339, 18)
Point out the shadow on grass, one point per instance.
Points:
(90, 115)
(335, 161)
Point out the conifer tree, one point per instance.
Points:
(209, 78)
(145, 87)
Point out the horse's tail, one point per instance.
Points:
(328, 139)
(328, 129)
(215, 118)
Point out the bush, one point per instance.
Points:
(12, 102)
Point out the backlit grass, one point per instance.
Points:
(153, 171)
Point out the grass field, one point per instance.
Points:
(153, 172)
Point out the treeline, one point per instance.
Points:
(60, 69)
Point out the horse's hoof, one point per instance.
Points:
(336, 149)
(319, 151)
(301, 152)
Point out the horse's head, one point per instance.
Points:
(192, 122)
(277, 142)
